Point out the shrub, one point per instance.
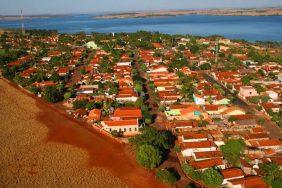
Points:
(167, 176)
(116, 133)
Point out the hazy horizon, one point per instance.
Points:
(41, 7)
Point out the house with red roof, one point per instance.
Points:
(231, 174)
(204, 155)
(209, 163)
(126, 113)
(28, 72)
(247, 182)
(193, 137)
(63, 71)
(126, 95)
(127, 127)
(274, 144)
(188, 148)
(94, 115)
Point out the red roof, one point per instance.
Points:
(128, 112)
(232, 173)
(95, 114)
(207, 163)
(250, 182)
(157, 45)
(208, 154)
(192, 135)
(263, 143)
(202, 144)
(211, 107)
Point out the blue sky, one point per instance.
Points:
(97, 6)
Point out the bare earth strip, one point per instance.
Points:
(42, 148)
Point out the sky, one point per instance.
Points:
(13, 7)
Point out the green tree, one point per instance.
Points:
(272, 174)
(67, 95)
(246, 80)
(190, 171)
(35, 90)
(232, 151)
(259, 88)
(55, 77)
(194, 48)
(148, 156)
(52, 94)
(254, 100)
(212, 178)
(138, 87)
(162, 140)
(79, 104)
(205, 66)
(167, 176)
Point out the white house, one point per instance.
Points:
(248, 91)
(272, 95)
(127, 127)
(188, 148)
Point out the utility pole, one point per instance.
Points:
(22, 22)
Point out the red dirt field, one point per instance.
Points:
(43, 147)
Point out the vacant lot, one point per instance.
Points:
(41, 148)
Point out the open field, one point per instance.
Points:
(42, 148)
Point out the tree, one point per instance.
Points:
(55, 77)
(151, 136)
(148, 120)
(261, 121)
(246, 80)
(138, 87)
(232, 150)
(194, 48)
(35, 90)
(254, 100)
(67, 95)
(148, 156)
(52, 94)
(259, 88)
(79, 104)
(272, 174)
(190, 171)
(205, 66)
(167, 176)
(212, 178)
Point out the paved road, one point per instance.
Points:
(237, 100)
(271, 127)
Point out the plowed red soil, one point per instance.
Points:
(42, 147)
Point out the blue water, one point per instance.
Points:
(251, 28)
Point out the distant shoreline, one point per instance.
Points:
(29, 17)
(216, 12)
(159, 13)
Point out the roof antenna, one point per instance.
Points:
(22, 22)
